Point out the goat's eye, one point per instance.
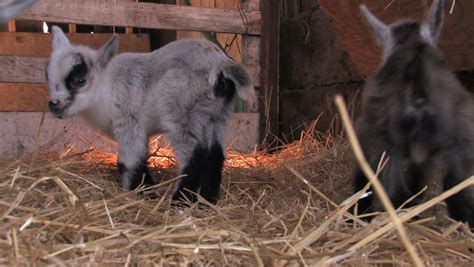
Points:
(80, 82)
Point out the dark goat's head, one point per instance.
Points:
(414, 89)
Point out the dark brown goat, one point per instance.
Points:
(416, 111)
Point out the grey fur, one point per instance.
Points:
(380, 31)
(416, 111)
(11, 8)
(384, 34)
(431, 28)
(132, 96)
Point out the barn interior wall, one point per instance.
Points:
(314, 66)
(24, 132)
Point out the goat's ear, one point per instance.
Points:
(108, 51)
(59, 38)
(431, 28)
(380, 30)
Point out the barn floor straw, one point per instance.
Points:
(280, 209)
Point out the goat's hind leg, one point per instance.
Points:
(211, 172)
(189, 154)
(202, 167)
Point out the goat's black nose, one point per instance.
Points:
(53, 105)
(419, 102)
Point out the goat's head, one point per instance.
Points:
(73, 72)
(415, 92)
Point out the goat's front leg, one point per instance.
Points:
(190, 154)
(133, 154)
(460, 167)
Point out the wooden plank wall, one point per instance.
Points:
(270, 91)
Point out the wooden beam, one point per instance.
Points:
(145, 15)
(270, 48)
(39, 44)
(456, 39)
(16, 69)
(23, 97)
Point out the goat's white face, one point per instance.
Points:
(69, 77)
(72, 73)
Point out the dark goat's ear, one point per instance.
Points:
(108, 51)
(380, 30)
(433, 24)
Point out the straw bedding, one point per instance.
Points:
(278, 209)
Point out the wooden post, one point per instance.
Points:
(72, 28)
(250, 47)
(270, 47)
(11, 26)
(130, 29)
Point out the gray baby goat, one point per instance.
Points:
(184, 89)
(416, 110)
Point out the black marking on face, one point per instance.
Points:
(77, 77)
(224, 88)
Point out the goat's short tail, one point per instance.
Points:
(241, 80)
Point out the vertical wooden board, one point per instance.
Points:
(11, 26)
(456, 40)
(251, 49)
(251, 57)
(23, 97)
(269, 91)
